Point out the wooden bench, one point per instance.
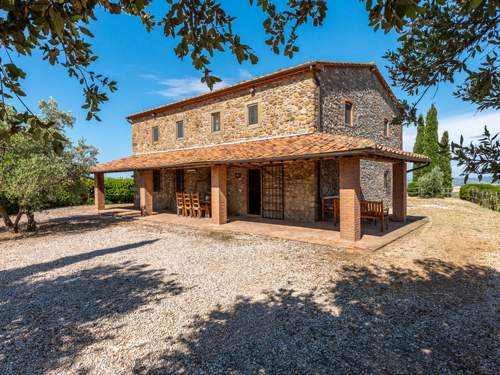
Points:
(369, 210)
(375, 210)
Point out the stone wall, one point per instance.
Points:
(300, 191)
(286, 107)
(372, 181)
(371, 107)
(237, 191)
(197, 181)
(329, 178)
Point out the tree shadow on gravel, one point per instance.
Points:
(13, 274)
(440, 319)
(70, 224)
(45, 323)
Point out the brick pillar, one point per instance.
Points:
(145, 182)
(99, 199)
(350, 195)
(399, 191)
(219, 194)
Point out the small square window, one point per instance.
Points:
(155, 134)
(348, 113)
(179, 129)
(386, 128)
(253, 114)
(215, 121)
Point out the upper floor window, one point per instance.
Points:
(386, 128)
(253, 114)
(179, 129)
(215, 121)
(348, 113)
(155, 134)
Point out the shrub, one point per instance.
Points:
(487, 195)
(116, 190)
(465, 190)
(119, 190)
(413, 189)
(431, 184)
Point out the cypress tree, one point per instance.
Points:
(445, 161)
(431, 139)
(418, 147)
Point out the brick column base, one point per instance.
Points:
(145, 182)
(399, 195)
(350, 195)
(219, 194)
(99, 198)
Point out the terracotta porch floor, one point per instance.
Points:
(320, 233)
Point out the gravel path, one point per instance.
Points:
(101, 296)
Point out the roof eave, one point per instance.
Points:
(367, 152)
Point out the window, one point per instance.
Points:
(386, 181)
(179, 129)
(386, 128)
(155, 134)
(348, 113)
(253, 114)
(156, 180)
(215, 121)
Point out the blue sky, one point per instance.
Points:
(149, 74)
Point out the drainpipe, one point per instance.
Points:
(419, 167)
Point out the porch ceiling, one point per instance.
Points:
(298, 147)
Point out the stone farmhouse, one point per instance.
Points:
(274, 146)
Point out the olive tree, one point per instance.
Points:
(34, 173)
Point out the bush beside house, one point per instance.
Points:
(116, 190)
(431, 184)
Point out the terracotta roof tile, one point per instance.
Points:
(307, 146)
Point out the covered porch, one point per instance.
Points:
(319, 233)
(290, 193)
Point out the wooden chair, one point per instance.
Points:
(335, 210)
(198, 208)
(179, 199)
(375, 210)
(326, 206)
(188, 207)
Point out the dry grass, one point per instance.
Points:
(459, 232)
(87, 296)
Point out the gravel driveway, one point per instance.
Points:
(102, 296)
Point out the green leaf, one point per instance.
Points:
(475, 3)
